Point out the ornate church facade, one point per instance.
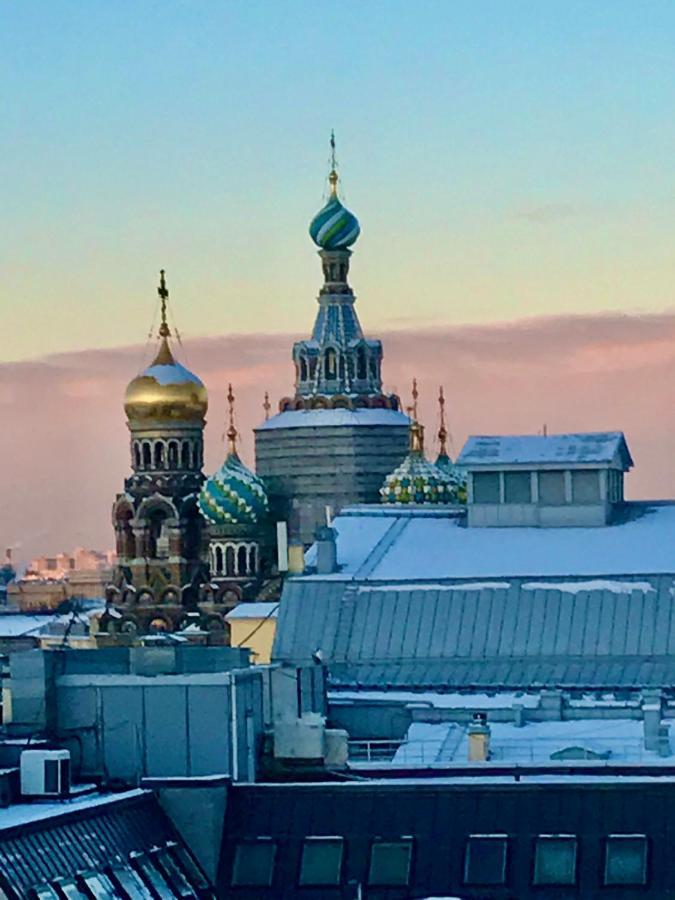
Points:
(189, 548)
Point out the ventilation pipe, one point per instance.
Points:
(478, 733)
(326, 550)
(296, 558)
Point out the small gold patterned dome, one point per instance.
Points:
(165, 390)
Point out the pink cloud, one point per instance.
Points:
(64, 443)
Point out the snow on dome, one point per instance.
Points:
(166, 390)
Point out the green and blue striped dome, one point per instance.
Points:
(334, 227)
(233, 496)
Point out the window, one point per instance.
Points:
(303, 369)
(254, 863)
(137, 456)
(185, 455)
(361, 364)
(517, 487)
(485, 860)
(242, 558)
(552, 488)
(159, 455)
(229, 560)
(626, 859)
(586, 486)
(321, 861)
(390, 862)
(219, 560)
(147, 454)
(555, 859)
(330, 365)
(173, 455)
(486, 487)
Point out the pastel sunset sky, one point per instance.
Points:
(511, 164)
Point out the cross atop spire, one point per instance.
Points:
(415, 395)
(232, 433)
(267, 406)
(442, 431)
(162, 290)
(333, 176)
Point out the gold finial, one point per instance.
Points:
(442, 431)
(267, 406)
(415, 395)
(231, 430)
(416, 438)
(333, 176)
(164, 330)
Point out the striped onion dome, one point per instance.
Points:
(233, 496)
(334, 227)
(416, 480)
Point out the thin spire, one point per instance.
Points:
(416, 430)
(333, 176)
(442, 431)
(162, 290)
(267, 406)
(415, 395)
(232, 433)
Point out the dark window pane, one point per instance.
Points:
(517, 487)
(321, 861)
(552, 488)
(390, 862)
(254, 863)
(586, 486)
(486, 487)
(555, 860)
(626, 860)
(485, 861)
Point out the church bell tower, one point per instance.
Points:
(156, 519)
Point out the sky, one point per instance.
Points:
(510, 162)
(505, 159)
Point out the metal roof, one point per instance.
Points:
(126, 833)
(519, 634)
(605, 447)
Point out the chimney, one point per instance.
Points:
(282, 546)
(326, 550)
(296, 558)
(478, 733)
(518, 715)
(651, 719)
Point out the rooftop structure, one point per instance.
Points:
(545, 480)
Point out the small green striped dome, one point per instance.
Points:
(233, 496)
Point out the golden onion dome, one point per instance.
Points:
(166, 391)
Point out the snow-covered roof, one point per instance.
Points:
(404, 546)
(16, 625)
(421, 601)
(22, 813)
(331, 418)
(603, 448)
(254, 611)
(616, 739)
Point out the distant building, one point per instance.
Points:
(65, 564)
